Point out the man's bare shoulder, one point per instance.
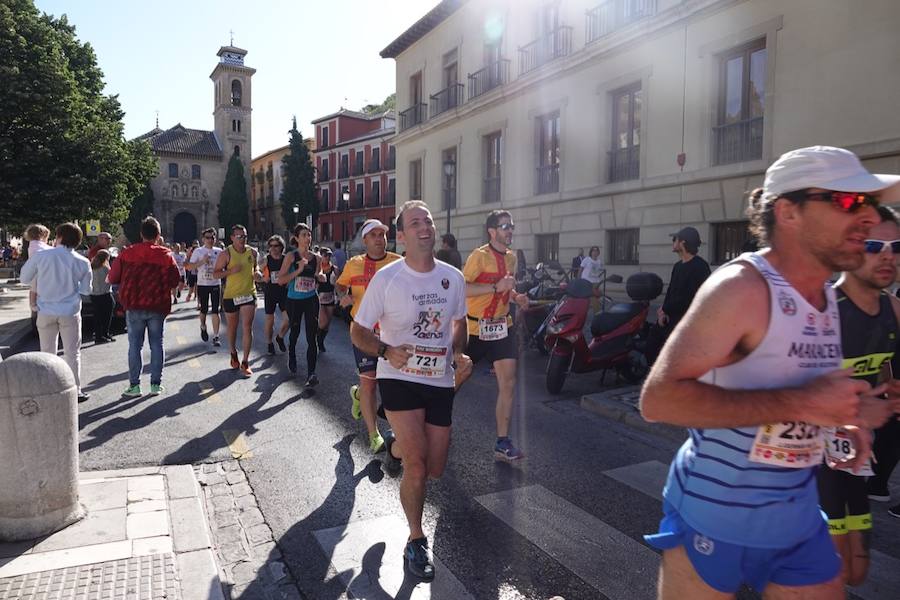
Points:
(738, 281)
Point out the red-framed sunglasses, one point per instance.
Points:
(847, 202)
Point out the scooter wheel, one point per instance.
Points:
(635, 370)
(557, 369)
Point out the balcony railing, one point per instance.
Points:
(738, 142)
(412, 116)
(343, 205)
(553, 45)
(446, 99)
(391, 162)
(625, 164)
(390, 199)
(491, 189)
(492, 76)
(374, 199)
(356, 201)
(374, 165)
(547, 179)
(323, 205)
(343, 173)
(615, 14)
(358, 169)
(324, 175)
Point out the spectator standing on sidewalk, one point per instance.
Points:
(61, 276)
(37, 237)
(448, 252)
(104, 241)
(340, 257)
(591, 269)
(146, 274)
(101, 297)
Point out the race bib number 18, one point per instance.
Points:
(794, 445)
(839, 449)
(426, 361)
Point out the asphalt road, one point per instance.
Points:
(565, 521)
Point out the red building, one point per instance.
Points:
(355, 164)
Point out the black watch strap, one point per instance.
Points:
(382, 348)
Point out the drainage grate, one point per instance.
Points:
(150, 577)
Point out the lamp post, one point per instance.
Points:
(345, 196)
(296, 210)
(450, 174)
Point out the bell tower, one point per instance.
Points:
(233, 104)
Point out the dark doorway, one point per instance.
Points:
(185, 228)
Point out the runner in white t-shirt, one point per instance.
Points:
(179, 256)
(203, 260)
(592, 270)
(419, 306)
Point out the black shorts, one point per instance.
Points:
(275, 297)
(493, 350)
(364, 362)
(398, 395)
(844, 498)
(207, 294)
(229, 306)
(191, 278)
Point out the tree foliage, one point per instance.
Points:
(299, 187)
(63, 155)
(390, 103)
(141, 208)
(234, 206)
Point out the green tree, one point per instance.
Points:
(389, 104)
(63, 155)
(299, 182)
(234, 206)
(141, 207)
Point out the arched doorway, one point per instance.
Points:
(185, 230)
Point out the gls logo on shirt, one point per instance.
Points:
(428, 325)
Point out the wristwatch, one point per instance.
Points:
(382, 348)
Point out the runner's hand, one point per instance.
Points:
(321, 277)
(301, 264)
(521, 300)
(505, 284)
(861, 439)
(463, 369)
(235, 269)
(346, 300)
(398, 356)
(893, 394)
(874, 410)
(833, 399)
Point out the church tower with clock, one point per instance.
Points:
(232, 105)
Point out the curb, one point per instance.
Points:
(611, 405)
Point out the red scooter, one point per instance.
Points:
(618, 333)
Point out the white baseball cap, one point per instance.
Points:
(372, 224)
(823, 167)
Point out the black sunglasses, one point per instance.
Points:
(240, 237)
(506, 226)
(848, 202)
(878, 246)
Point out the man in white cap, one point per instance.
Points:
(754, 371)
(355, 278)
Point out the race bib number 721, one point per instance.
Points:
(427, 361)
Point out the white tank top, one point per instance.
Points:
(741, 485)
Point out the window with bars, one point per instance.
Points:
(623, 246)
(738, 135)
(548, 153)
(415, 179)
(547, 247)
(493, 161)
(624, 157)
(730, 240)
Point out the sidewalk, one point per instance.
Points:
(145, 536)
(621, 404)
(15, 316)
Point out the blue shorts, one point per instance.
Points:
(725, 567)
(364, 362)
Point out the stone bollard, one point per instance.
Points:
(38, 446)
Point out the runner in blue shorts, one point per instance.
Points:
(754, 372)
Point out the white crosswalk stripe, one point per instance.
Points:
(882, 582)
(601, 555)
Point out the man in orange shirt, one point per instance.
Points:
(355, 278)
(490, 286)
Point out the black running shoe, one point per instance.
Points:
(894, 511)
(312, 380)
(204, 335)
(292, 363)
(417, 557)
(280, 342)
(391, 463)
(380, 411)
(271, 348)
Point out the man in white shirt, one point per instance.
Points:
(419, 305)
(61, 276)
(203, 261)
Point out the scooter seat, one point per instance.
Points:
(615, 317)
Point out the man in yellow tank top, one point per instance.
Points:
(239, 265)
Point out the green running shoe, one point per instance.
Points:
(156, 390)
(376, 443)
(133, 391)
(355, 409)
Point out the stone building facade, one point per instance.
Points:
(193, 162)
(616, 122)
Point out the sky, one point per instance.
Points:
(311, 56)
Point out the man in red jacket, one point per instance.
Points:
(146, 274)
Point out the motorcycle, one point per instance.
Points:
(618, 334)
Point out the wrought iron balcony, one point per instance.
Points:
(374, 199)
(548, 179)
(356, 201)
(625, 164)
(550, 46)
(446, 99)
(324, 175)
(343, 173)
(412, 116)
(492, 76)
(390, 199)
(391, 162)
(358, 169)
(374, 165)
(738, 142)
(323, 205)
(615, 14)
(343, 205)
